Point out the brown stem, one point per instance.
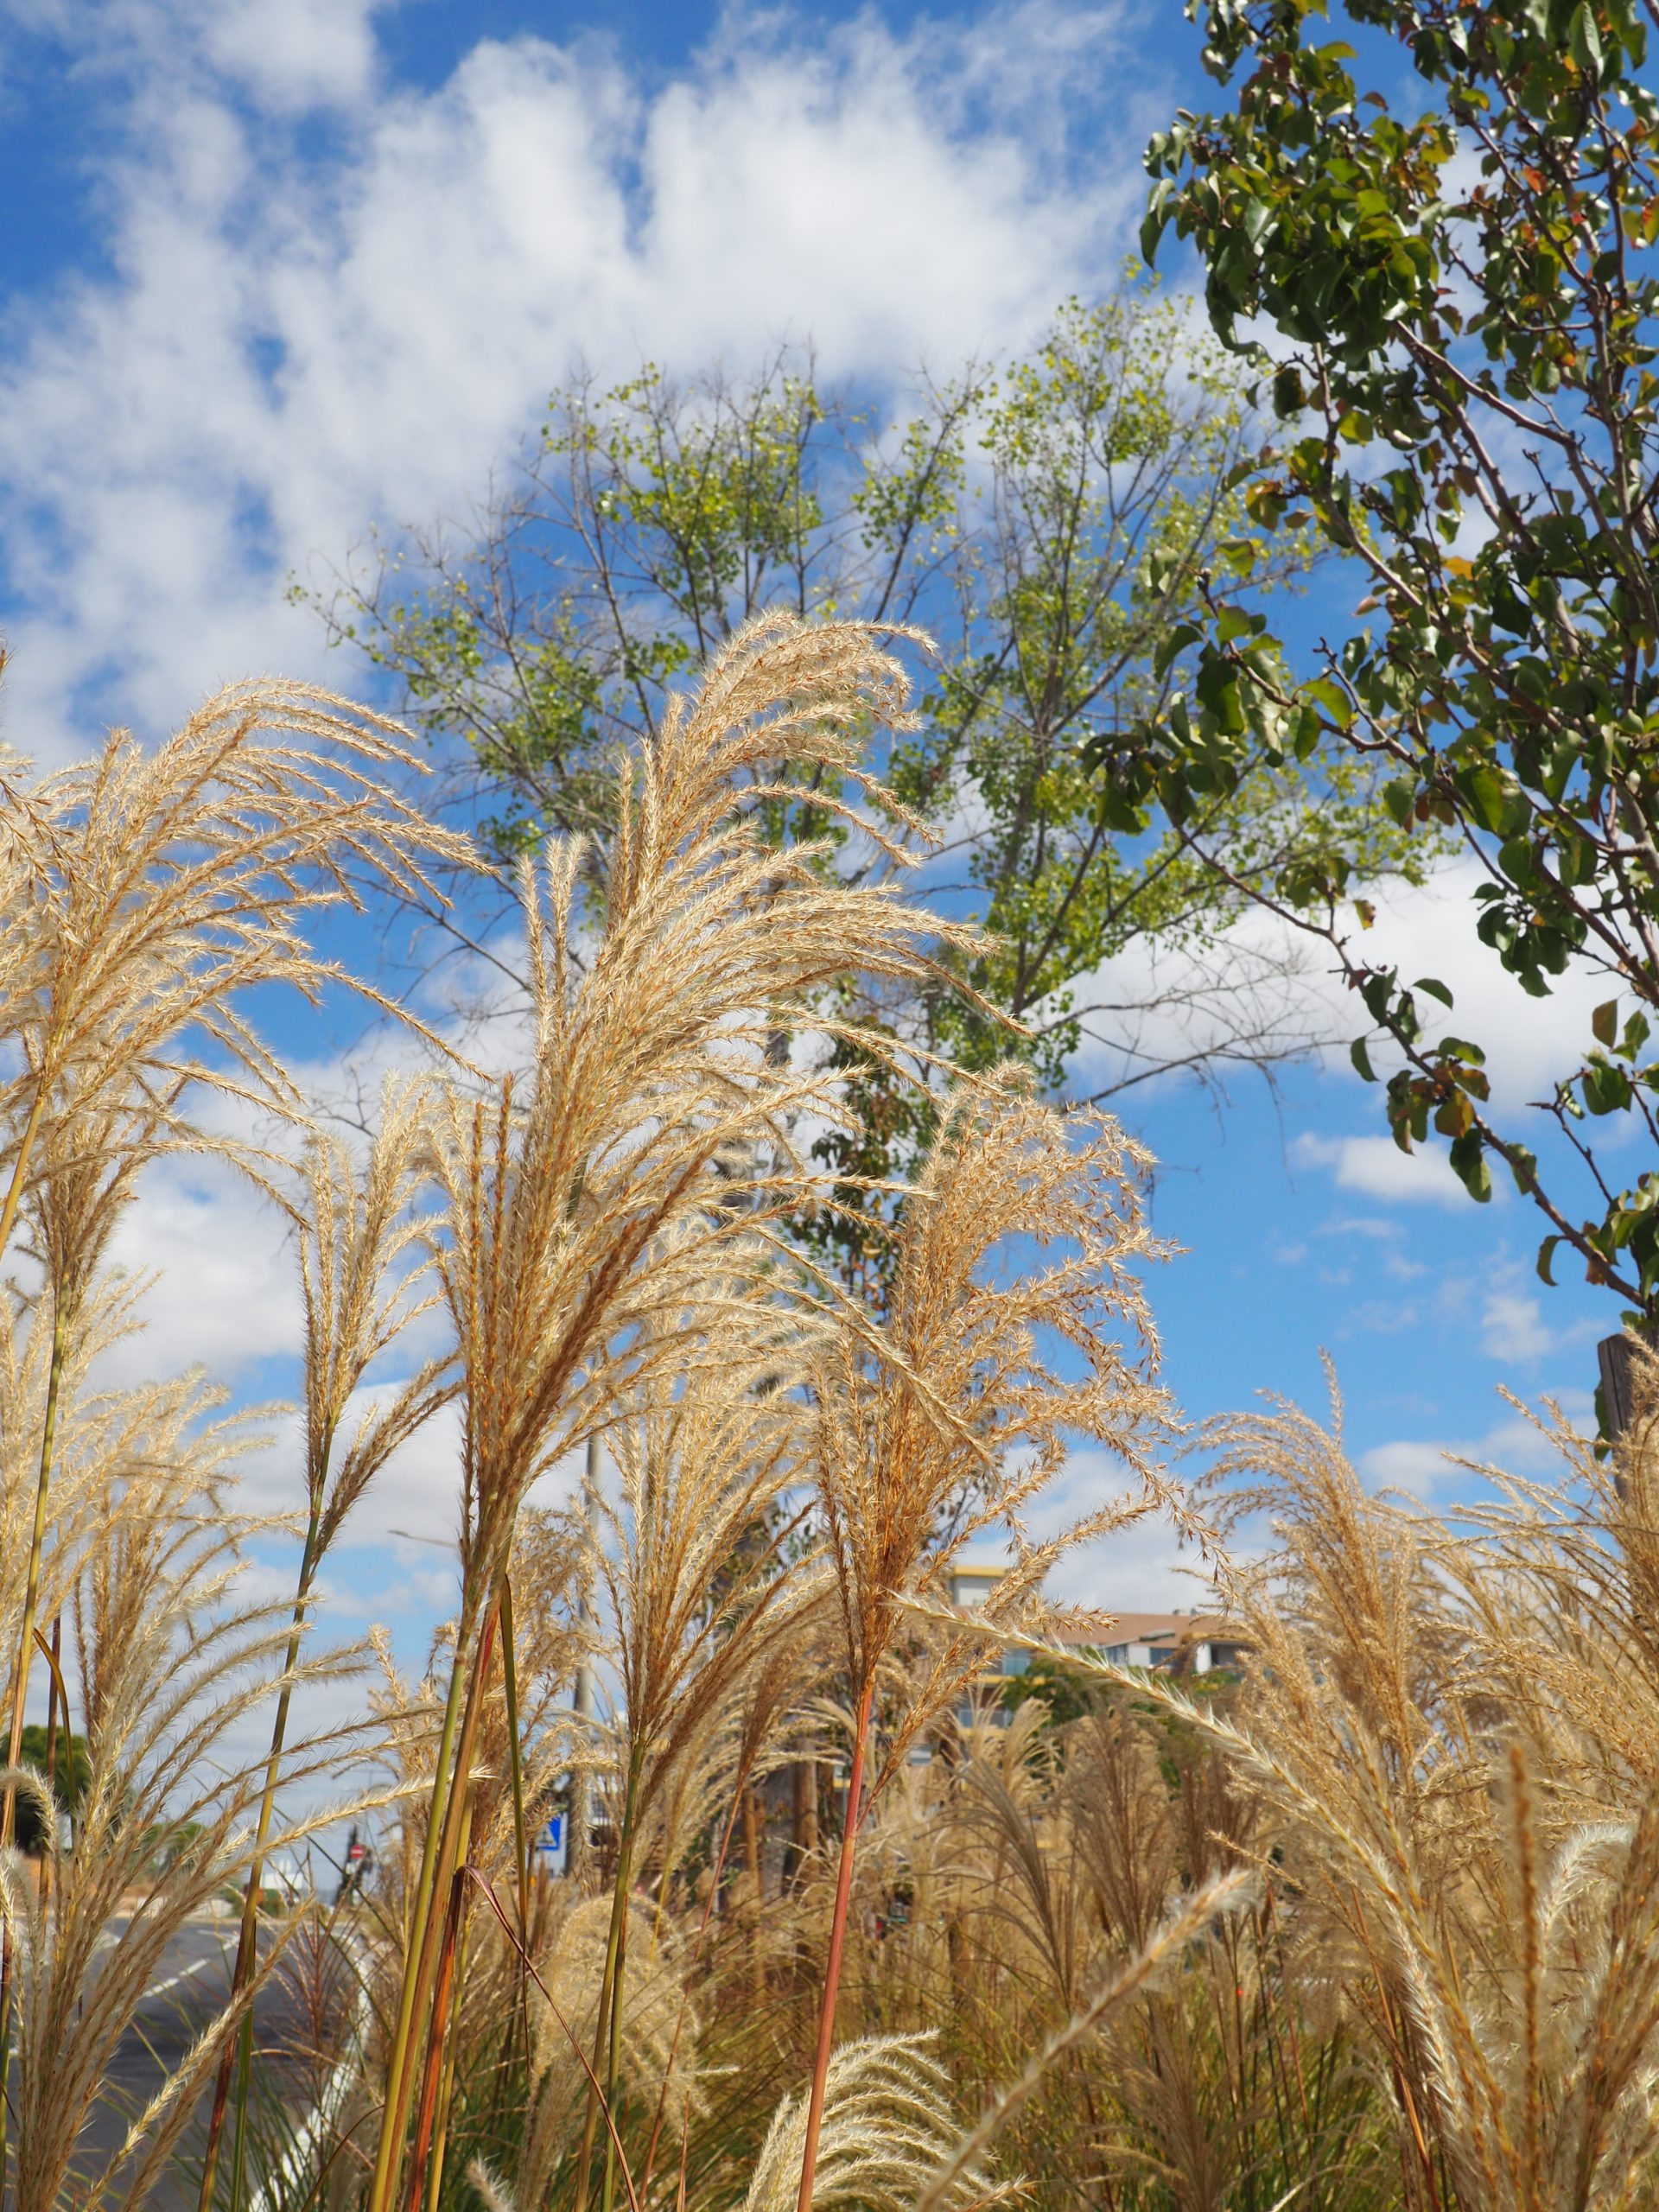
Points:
(447, 2088)
(837, 1943)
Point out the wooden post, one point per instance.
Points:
(1613, 1359)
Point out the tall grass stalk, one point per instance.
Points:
(239, 2052)
(832, 1963)
(438, 1859)
(20, 1684)
(355, 1232)
(588, 1209)
(953, 1414)
(431, 2120)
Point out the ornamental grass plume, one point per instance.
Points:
(147, 890)
(150, 888)
(87, 1447)
(692, 1558)
(952, 1418)
(1187, 1920)
(655, 2039)
(171, 1667)
(1503, 1949)
(362, 1264)
(588, 1207)
(888, 2125)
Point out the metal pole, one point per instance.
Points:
(578, 1850)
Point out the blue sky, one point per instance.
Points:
(279, 272)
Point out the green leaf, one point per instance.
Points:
(1604, 1022)
(1362, 1060)
(1483, 789)
(1155, 221)
(1183, 635)
(1436, 990)
(1399, 798)
(1469, 1164)
(1606, 1089)
(1333, 699)
(1584, 39)
(1546, 1254)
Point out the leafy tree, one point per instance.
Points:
(1462, 281)
(1050, 522)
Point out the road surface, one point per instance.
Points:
(190, 1983)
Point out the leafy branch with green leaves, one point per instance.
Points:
(1460, 288)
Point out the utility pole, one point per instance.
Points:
(578, 1850)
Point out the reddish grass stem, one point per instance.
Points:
(837, 1944)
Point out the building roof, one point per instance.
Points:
(1153, 1628)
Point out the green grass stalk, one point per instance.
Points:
(395, 2112)
(607, 2041)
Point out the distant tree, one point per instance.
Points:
(1065, 1691)
(1052, 523)
(71, 1769)
(1463, 283)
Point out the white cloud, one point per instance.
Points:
(225, 1295)
(1431, 931)
(1414, 1468)
(1377, 1167)
(296, 345)
(1515, 1445)
(295, 54)
(1512, 1327)
(1269, 993)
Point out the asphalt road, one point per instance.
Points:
(191, 1980)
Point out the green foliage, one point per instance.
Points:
(1068, 1692)
(1464, 291)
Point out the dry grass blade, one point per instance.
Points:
(163, 885)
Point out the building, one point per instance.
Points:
(1179, 1642)
(1182, 1643)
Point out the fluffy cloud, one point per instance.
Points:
(1515, 1446)
(1378, 1168)
(1512, 1327)
(1269, 992)
(303, 333)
